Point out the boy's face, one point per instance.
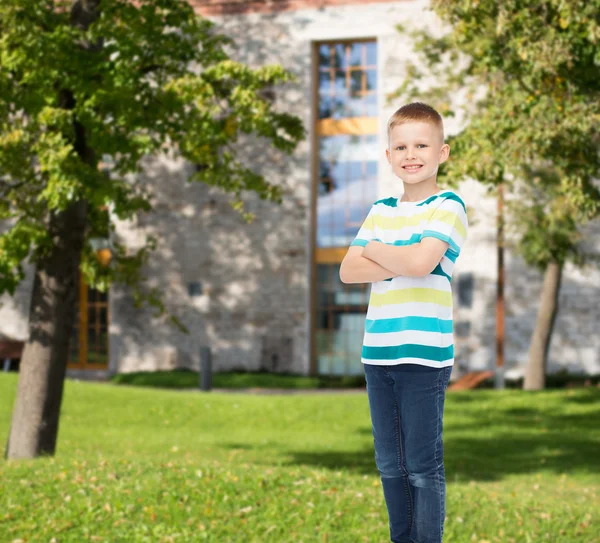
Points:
(415, 151)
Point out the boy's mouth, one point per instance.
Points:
(412, 167)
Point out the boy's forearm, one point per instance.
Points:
(403, 259)
(363, 270)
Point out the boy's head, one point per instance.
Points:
(416, 145)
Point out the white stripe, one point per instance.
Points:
(436, 282)
(401, 234)
(447, 265)
(365, 233)
(409, 309)
(387, 211)
(421, 361)
(408, 337)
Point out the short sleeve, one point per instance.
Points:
(366, 232)
(449, 223)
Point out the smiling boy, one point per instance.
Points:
(407, 248)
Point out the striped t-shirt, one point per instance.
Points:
(409, 319)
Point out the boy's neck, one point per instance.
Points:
(416, 193)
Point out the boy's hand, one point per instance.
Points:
(356, 269)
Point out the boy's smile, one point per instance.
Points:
(416, 150)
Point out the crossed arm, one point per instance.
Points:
(378, 261)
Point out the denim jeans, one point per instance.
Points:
(406, 403)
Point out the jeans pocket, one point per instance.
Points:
(447, 374)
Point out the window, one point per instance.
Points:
(88, 348)
(346, 177)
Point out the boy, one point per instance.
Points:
(407, 248)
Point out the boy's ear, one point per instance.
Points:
(388, 155)
(444, 152)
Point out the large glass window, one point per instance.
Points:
(347, 80)
(346, 188)
(341, 316)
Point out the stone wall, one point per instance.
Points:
(230, 7)
(14, 310)
(239, 288)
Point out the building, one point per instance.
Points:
(267, 295)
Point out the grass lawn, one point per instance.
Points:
(232, 380)
(140, 464)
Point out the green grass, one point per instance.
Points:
(140, 464)
(190, 379)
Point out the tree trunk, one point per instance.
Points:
(34, 425)
(535, 376)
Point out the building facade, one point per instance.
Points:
(267, 295)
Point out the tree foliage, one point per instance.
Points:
(143, 78)
(528, 75)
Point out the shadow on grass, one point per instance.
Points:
(481, 460)
(512, 441)
(588, 398)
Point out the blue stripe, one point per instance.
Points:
(438, 354)
(446, 196)
(415, 238)
(431, 199)
(442, 237)
(439, 271)
(400, 324)
(390, 202)
(451, 255)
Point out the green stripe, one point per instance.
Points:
(439, 354)
(401, 324)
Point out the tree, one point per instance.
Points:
(529, 74)
(86, 79)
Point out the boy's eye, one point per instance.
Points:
(402, 147)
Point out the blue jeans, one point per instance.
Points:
(406, 402)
